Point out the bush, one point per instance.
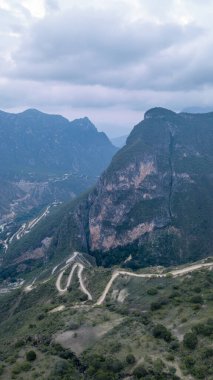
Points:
(158, 304)
(140, 372)
(20, 367)
(19, 343)
(207, 353)
(196, 299)
(30, 356)
(190, 340)
(189, 361)
(130, 359)
(174, 345)
(205, 328)
(152, 291)
(61, 367)
(161, 332)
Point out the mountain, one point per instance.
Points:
(152, 206)
(197, 109)
(46, 158)
(119, 141)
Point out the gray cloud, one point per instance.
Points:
(99, 47)
(110, 61)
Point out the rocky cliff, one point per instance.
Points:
(155, 201)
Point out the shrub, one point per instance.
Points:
(19, 343)
(20, 367)
(130, 359)
(61, 367)
(152, 291)
(174, 345)
(190, 340)
(161, 332)
(197, 289)
(196, 299)
(205, 329)
(158, 304)
(170, 357)
(30, 356)
(40, 317)
(207, 353)
(189, 361)
(140, 372)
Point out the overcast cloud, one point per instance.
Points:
(110, 60)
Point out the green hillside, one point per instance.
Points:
(147, 328)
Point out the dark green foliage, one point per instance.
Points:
(152, 291)
(205, 328)
(140, 372)
(130, 359)
(197, 299)
(190, 340)
(161, 332)
(158, 304)
(31, 356)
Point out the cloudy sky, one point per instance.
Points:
(108, 59)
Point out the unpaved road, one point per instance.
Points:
(174, 273)
(84, 290)
(69, 280)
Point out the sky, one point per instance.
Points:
(110, 60)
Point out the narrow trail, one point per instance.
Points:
(174, 273)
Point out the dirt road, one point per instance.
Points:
(174, 273)
(69, 280)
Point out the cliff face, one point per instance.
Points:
(156, 198)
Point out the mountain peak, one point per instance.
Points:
(84, 123)
(158, 113)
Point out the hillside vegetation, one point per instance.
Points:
(147, 328)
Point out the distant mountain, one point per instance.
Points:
(198, 109)
(46, 157)
(152, 206)
(119, 141)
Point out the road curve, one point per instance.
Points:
(174, 273)
(69, 280)
(84, 290)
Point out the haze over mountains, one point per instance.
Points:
(46, 158)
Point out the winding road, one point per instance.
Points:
(174, 273)
(80, 266)
(69, 280)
